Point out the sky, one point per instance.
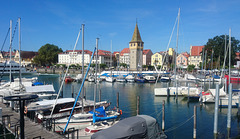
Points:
(58, 22)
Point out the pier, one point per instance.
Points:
(11, 120)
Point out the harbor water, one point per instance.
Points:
(178, 112)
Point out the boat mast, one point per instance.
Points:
(175, 68)
(111, 61)
(10, 73)
(19, 39)
(83, 65)
(229, 55)
(95, 90)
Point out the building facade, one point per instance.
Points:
(74, 57)
(125, 56)
(104, 57)
(26, 57)
(195, 55)
(136, 50)
(147, 56)
(182, 60)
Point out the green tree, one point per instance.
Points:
(217, 44)
(123, 65)
(103, 66)
(47, 55)
(190, 68)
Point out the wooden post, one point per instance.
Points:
(176, 90)
(216, 111)
(163, 115)
(117, 101)
(229, 106)
(100, 95)
(168, 91)
(72, 91)
(138, 98)
(62, 93)
(188, 92)
(195, 123)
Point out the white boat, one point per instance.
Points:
(15, 68)
(223, 101)
(120, 78)
(43, 91)
(190, 77)
(110, 79)
(91, 78)
(130, 78)
(78, 78)
(83, 120)
(63, 106)
(209, 95)
(182, 90)
(165, 79)
(150, 78)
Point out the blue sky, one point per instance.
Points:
(58, 22)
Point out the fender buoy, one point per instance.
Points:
(120, 112)
(25, 110)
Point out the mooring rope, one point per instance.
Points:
(173, 128)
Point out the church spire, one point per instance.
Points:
(136, 35)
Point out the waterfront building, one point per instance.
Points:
(76, 57)
(195, 56)
(159, 60)
(136, 50)
(116, 59)
(147, 54)
(182, 60)
(125, 56)
(104, 57)
(26, 57)
(171, 52)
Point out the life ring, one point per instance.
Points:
(25, 110)
(120, 112)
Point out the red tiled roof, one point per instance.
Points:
(116, 52)
(196, 50)
(78, 51)
(146, 51)
(186, 54)
(125, 50)
(104, 53)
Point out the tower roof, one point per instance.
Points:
(136, 35)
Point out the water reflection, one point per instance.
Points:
(177, 111)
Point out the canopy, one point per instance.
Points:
(40, 88)
(37, 83)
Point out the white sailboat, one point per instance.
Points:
(172, 91)
(110, 78)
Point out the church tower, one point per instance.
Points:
(136, 50)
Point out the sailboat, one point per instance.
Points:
(172, 91)
(83, 120)
(110, 78)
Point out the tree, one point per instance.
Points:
(103, 66)
(217, 44)
(123, 65)
(47, 55)
(190, 67)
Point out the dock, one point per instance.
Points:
(32, 130)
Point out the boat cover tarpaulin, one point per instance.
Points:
(40, 88)
(137, 127)
(99, 111)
